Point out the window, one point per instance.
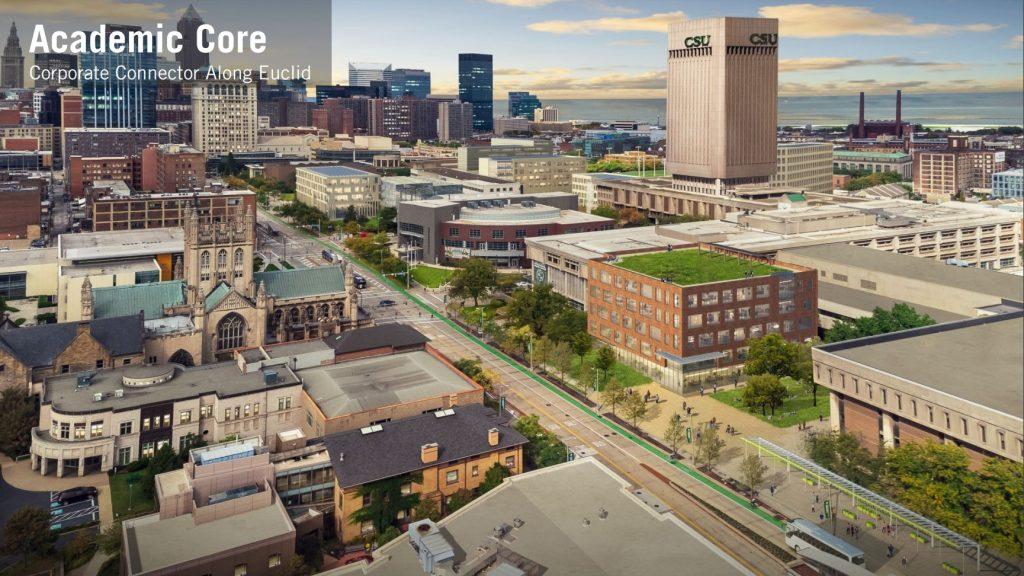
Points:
(65, 368)
(474, 232)
(273, 561)
(184, 417)
(79, 430)
(284, 403)
(148, 450)
(1002, 440)
(206, 411)
(839, 277)
(366, 500)
(95, 429)
(241, 569)
(239, 258)
(125, 427)
(406, 488)
(474, 471)
(520, 233)
(124, 456)
(231, 332)
(453, 231)
(65, 430)
(99, 363)
(763, 290)
(510, 461)
(981, 432)
(963, 425)
(227, 413)
(451, 477)
(248, 410)
(497, 234)
(222, 259)
(694, 321)
(868, 285)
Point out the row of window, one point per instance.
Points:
(495, 233)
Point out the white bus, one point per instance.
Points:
(802, 533)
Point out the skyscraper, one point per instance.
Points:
(454, 121)
(12, 66)
(53, 62)
(362, 73)
(223, 116)
(409, 80)
(522, 104)
(476, 86)
(722, 87)
(188, 27)
(119, 103)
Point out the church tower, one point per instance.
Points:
(218, 252)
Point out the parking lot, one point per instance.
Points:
(71, 515)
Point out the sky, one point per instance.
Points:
(616, 48)
(600, 48)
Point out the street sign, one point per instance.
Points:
(689, 435)
(828, 509)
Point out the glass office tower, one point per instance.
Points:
(522, 105)
(476, 86)
(114, 103)
(415, 82)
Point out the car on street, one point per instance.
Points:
(359, 281)
(386, 303)
(76, 494)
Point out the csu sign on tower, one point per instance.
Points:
(764, 39)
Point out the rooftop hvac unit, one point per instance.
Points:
(97, 397)
(443, 413)
(270, 377)
(119, 393)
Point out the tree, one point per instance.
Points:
(473, 368)
(606, 211)
(634, 407)
(707, 447)
(27, 532)
(674, 433)
(350, 214)
(566, 324)
(163, 460)
(561, 357)
(605, 360)
(842, 453)
(460, 498)
(581, 343)
(386, 217)
(752, 471)
(474, 278)
(771, 354)
(389, 534)
(386, 500)
(614, 394)
(542, 350)
(544, 448)
(427, 508)
(537, 307)
(109, 540)
(901, 317)
(230, 167)
(775, 392)
(493, 478)
(19, 417)
(81, 546)
(351, 228)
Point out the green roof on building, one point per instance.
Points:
(796, 197)
(216, 296)
(689, 267)
(302, 282)
(151, 298)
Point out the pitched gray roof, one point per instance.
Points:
(394, 335)
(40, 345)
(302, 282)
(395, 450)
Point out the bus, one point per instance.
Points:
(801, 533)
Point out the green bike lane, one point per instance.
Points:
(621, 431)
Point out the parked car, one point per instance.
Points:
(386, 303)
(77, 494)
(38, 243)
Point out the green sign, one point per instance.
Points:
(828, 509)
(689, 435)
(697, 41)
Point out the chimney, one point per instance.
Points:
(899, 113)
(860, 124)
(83, 327)
(428, 453)
(493, 435)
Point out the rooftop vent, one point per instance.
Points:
(84, 380)
(119, 393)
(371, 429)
(270, 377)
(443, 413)
(97, 397)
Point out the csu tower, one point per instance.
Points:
(722, 91)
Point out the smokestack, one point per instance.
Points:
(899, 111)
(860, 125)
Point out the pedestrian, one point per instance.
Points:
(702, 391)
(890, 551)
(820, 418)
(817, 498)
(821, 517)
(903, 561)
(772, 489)
(812, 508)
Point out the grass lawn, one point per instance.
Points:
(287, 197)
(286, 265)
(431, 277)
(651, 173)
(119, 495)
(796, 409)
(471, 314)
(688, 267)
(621, 372)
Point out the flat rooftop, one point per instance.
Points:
(988, 282)
(952, 358)
(121, 244)
(369, 383)
(691, 266)
(222, 378)
(836, 298)
(590, 245)
(553, 504)
(297, 348)
(29, 257)
(153, 544)
(520, 214)
(335, 171)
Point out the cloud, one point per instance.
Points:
(511, 72)
(522, 3)
(634, 42)
(814, 21)
(94, 10)
(832, 63)
(1016, 42)
(871, 85)
(653, 23)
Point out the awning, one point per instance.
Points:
(684, 361)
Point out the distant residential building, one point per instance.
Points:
(12, 63)
(545, 114)
(83, 172)
(840, 180)
(26, 210)
(363, 73)
(410, 81)
(96, 142)
(476, 86)
(470, 154)
(124, 102)
(952, 172)
(584, 185)
(806, 166)
(223, 117)
(874, 162)
(1008, 184)
(454, 121)
(407, 119)
(522, 104)
(334, 117)
(50, 63)
(452, 450)
(188, 26)
(536, 173)
(332, 189)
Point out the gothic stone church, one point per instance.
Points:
(216, 304)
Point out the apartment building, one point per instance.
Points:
(446, 451)
(332, 189)
(164, 210)
(82, 173)
(950, 173)
(535, 173)
(93, 422)
(909, 386)
(470, 155)
(107, 142)
(679, 311)
(1008, 184)
(223, 117)
(804, 166)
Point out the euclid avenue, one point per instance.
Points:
(178, 74)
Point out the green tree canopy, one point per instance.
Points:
(535, 307)
(386, 500)
(475, 278)
(544, 448)
(27, 532)
(493, 478)
(901, 317)
(19, 417)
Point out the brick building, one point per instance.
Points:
(83, 172)
(164, 210)
(22, 214)
(105, 142)
(168, 168)
(334, 117)
(695, 309)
